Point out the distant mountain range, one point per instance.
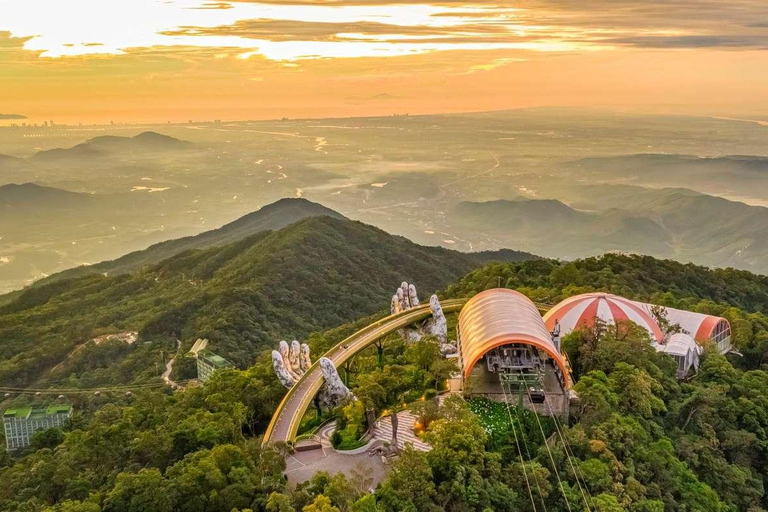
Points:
(272, 217)
(557, 230)
(670, 223)
(438, 180)
(731, 176)
(99, 147)
(12, 116)
(46, 229)
(10, 163)
(31, 197)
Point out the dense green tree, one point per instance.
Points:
(279, 502)
(410, 486)
(321, 504)
(48, 438)
(144, 491)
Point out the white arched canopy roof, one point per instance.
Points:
(499, 317)
(698, 325)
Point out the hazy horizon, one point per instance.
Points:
(150, 61)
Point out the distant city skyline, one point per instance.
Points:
(152, 61)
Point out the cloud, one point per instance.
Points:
(289, 30)
(293, 30)
(758, 42)
(566, 24)
(729, 24)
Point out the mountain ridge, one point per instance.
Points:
(101, 146)
(313, 274)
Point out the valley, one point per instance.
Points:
(123, 188)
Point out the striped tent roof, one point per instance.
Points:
(581, 311)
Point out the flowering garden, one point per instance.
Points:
(493, 416)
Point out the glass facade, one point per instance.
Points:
(721, 335)
(21, 423)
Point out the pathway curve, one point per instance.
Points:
(169, 368)
(286, 419)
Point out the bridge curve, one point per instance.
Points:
(285, 421)
(287, 417)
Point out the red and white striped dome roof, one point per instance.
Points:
(581, 310)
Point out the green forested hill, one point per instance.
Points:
(640, 440)
(271, 217)
(244, 297)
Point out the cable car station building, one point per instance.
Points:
(507, 354)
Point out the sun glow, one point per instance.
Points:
(178, 59)
(93, 27)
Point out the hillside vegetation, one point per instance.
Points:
(244, 296)
(268, 218)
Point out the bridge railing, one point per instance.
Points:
(419, 313)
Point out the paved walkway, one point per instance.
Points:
(169, 368)
(405, 424)
(302, 466)
(286, 419)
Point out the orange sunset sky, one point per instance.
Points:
(158, 60)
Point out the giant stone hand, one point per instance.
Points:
(406, 298)
(304, 361)
(436, 326)
(294, 356)
(290, 362)
(278, 364)
(333, 392)
(285, 353)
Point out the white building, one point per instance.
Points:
(20, 423)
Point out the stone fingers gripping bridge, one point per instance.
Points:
(436, 325)
(286, 419)
(290, 363)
